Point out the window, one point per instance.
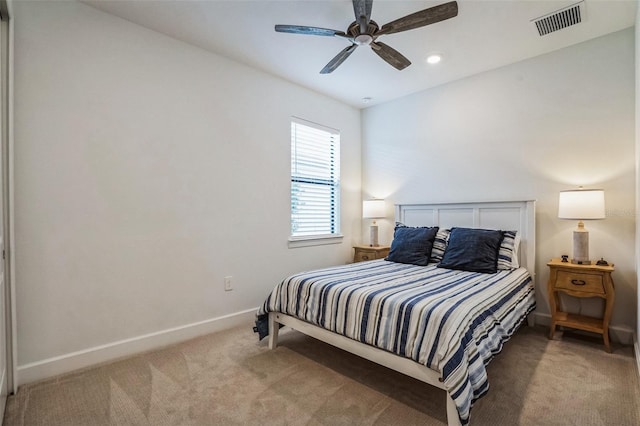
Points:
(315, 181)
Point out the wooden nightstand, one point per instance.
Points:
(363, 253)
(581, 281)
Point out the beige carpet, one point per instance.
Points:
(229, 378)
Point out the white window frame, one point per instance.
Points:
(315, 239)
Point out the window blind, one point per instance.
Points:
(315, 180)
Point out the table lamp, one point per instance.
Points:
(373, 209)
(581, 204)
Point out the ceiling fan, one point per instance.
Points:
(365, 32)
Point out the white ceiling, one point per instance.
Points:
(485, 35)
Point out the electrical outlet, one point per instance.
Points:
(228, 286)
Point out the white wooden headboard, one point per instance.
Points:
(504, 215)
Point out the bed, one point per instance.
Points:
(436, 319)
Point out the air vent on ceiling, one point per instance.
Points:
(560, 19)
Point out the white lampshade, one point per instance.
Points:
(373, 209)
(581, 204)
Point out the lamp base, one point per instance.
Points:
(373, 236)
(581, 246)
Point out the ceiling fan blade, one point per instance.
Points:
(362, 11)
(301, 29)
(391, 55)
(339, 59)
(420, 19)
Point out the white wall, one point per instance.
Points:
(146, 170)
(524, 131)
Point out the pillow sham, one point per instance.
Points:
(473, 250)
(412, 245)
(508, 253)
(515, 262)
(439, 245)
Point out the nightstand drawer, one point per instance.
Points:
(364, 255)
(583, 282)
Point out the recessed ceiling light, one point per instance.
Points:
(434, 58)
(366, 100)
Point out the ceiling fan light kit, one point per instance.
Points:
(365, 32)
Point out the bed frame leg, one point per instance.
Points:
(531, 321)
(452, 412)
(274, 327)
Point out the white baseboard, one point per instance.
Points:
(620, 334)
(75, 360)
(50, 367)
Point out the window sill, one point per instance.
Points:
(319, 240)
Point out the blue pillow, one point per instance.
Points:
(473, 250)
(412, 245)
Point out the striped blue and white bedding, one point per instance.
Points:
(453, 322)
